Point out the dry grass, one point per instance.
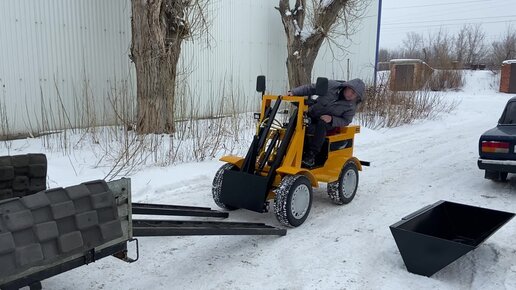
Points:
(384, 108)
(5, 129)
(199, 135)
(204, 130)
(444, 80)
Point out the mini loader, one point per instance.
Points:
(272, 168)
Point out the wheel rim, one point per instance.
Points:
(300, 201)
(349, 183)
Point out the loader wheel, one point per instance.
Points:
(216, 188)
(293, 200)
(343, 190)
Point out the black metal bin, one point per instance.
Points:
(438, 234)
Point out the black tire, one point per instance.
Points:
(56, 224)
(496, 175)
(22, 175)
(490, 174)
(343, 191)
(288, 190)
(35, 286)
(216, 188)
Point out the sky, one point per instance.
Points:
(425, 16)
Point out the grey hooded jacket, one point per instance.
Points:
(341, 110)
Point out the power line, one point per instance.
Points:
(450, 24)
(501, 5)
(460, 19)
(430, 5)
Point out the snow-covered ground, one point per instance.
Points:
(338, 247)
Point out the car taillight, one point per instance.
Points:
(495, 147)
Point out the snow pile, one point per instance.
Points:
(510, 61)
(479, 81)
(306, 33)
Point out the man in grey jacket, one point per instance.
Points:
(335, 109)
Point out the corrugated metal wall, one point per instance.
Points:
(73, 54)
(69, 50)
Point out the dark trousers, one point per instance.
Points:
(318, 128)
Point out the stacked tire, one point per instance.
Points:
(51, 225)
(22, 175)
(38, 226)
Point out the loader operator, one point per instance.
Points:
(335, 109)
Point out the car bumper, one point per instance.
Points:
(497, 165)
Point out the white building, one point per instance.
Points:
(65, 62)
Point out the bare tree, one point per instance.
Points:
(438, 49)
(413, 45)
(384, 55)
(475, 38)
(308, 26)
(461, 44)
(159, 27)
(505, 48)
(441, 48)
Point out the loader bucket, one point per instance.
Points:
(438, 234)
(244, 190)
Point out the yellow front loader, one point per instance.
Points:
(272, 168)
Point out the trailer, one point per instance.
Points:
(48, 232)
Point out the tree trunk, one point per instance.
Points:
(300, 62)
(303, 44)
(157, 34)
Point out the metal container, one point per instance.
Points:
(436, 235)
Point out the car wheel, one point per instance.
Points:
(496, 175)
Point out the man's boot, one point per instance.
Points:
(309, 159)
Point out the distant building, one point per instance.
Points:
(408, 74)
(508, 77)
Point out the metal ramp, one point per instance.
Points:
(153, 228)
(176, 210)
